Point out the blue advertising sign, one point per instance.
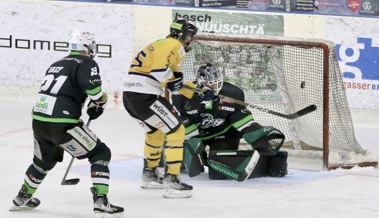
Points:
(360, 61)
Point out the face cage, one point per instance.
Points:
(215, 83)
(188, 37)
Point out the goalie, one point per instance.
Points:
(220, 124)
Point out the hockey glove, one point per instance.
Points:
(176, 84)
(209, 95)
(96, 108)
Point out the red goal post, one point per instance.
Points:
(286, 75)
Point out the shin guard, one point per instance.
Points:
(192, 158)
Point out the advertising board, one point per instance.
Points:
(35, 34)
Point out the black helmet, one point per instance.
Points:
(209, 76)
(183, 30)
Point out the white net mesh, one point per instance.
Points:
(286, 75)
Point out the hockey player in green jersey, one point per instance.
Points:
(57, 125)
(221, 124)
(155, 68)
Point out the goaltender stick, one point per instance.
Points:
(220, 124)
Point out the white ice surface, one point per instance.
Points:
(301, 194)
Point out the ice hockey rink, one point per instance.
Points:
(339, 193)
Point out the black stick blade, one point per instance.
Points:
(306, 110)
(299, 113)
(70, 181)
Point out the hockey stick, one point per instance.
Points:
(297, 114)
(69, 181)
(75, 180)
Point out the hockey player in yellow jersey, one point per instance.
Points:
(153, 69)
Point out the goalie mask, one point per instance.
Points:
(209, 76)
(184, 31)
(82, 40)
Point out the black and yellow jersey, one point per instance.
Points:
(153, 67)
(66, 86)
(208, 119)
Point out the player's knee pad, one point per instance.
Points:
(83, 141)
(192, 156)
(176, 138)
(47, 159)
(155, 139)
(101, 155)
(264, 139)
(46, 165)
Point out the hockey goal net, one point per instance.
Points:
(286, 75)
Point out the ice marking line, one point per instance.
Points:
(14, 131)
(17, 146)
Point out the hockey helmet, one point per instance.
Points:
(210, 76)
(183, 30)
(82, 40)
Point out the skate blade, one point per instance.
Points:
(152, 185)
(109, 215)
(20, 208)
(173, 193)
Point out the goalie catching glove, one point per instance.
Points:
(96, 108)
(177, 83)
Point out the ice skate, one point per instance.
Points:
(103, 209)
(174, 188)
(151, 178)
(24, 201)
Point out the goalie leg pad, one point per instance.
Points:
(192, 156)
(232, 164)
(278, 164)
(248, 166)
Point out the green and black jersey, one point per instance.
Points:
(66, 86)
(211, 118)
